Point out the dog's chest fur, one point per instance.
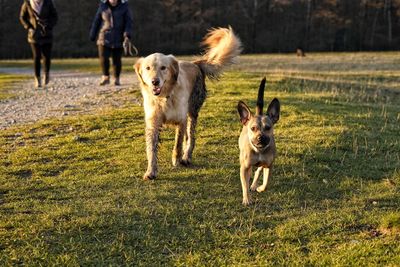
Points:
(176, 106)
(172, 109)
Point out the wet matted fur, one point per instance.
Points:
(174, 91)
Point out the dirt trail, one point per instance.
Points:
(68, 93)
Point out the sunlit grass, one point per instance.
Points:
(71, 191)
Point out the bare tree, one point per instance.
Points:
(176, 26)
(250, 10)
(308, 22)
(388, 12)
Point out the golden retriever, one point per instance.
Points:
(173, 92)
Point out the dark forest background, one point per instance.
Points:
(265, 26)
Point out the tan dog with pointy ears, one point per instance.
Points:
(174, 91)
(256, 142)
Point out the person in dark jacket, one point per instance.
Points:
(112, 25)
(39, 17)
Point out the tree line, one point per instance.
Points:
(177, 26)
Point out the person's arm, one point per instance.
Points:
(24, 17)
(95, 25)
(128, 23)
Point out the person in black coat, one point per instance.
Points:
(112, 24)
(39, 17)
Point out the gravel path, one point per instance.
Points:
(68, 93)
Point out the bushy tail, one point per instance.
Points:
(222, 49)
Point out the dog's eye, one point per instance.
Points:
(163, 68)
(147, 68)
(253, 128)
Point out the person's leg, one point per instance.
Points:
(117, 64)
(46, 54)
(104, 56)
(36, 53)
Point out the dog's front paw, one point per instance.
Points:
(175, 161)
(148, 176)
(253, 187)
(246, 201)
(261, 189)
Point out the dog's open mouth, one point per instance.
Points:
(261, 146)
(157, 90)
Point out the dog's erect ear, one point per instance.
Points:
(273, 111)
(137, 68)
(174, 67)
(244, 112)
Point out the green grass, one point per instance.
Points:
(71, 191)
(8, 83)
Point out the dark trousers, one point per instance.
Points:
(40, 51)
(104, 55)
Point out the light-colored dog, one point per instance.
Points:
(256, 142)
(174, 91)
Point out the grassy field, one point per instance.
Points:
(71, 190)
(8, 82)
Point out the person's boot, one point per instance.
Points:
(38, 83)
(104, 80)
(117, 82)
(46, 79)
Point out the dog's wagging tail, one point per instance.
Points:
(222, 47)
(260, 98)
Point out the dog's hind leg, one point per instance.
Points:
(262, 187)
(257, 175)
(190, 140)
(179, 136)
(197, 98)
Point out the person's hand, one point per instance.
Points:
(44, 30)
(31, 32)
(126, 43)
(128, 46)
(126, 39)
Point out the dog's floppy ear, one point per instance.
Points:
(274, 110)
(137, 68)
(244, 112)
(174, 67)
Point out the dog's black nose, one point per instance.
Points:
(155, 81)
(263, 139)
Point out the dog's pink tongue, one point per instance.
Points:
(157, 90)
